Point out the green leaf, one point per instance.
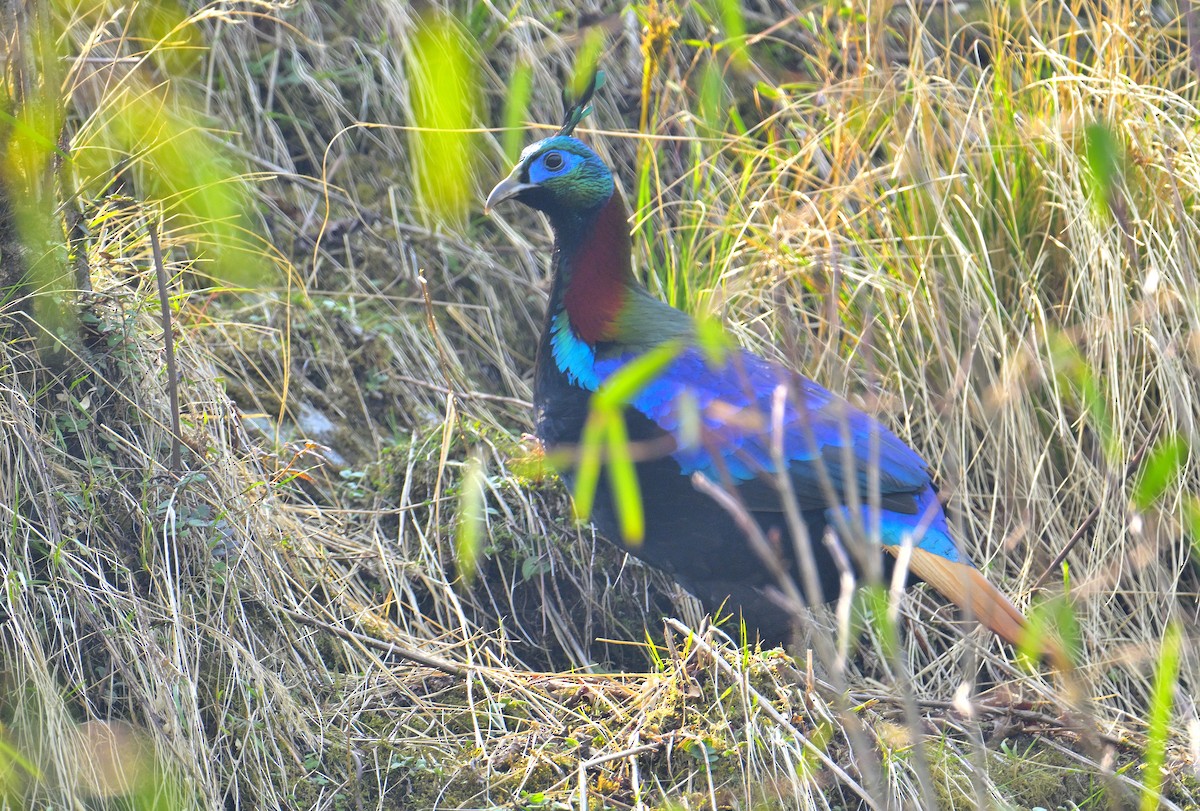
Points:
(712, 97)
(586, 61)
(876, 598)
(768, 91)
(605, 430)
(1162, 467)
(645, 171)
(1053, 619)
(1083, 386)
(1191, 523)
(713, 340)
(11, 756)
(739, 124)
(34, 134)
(701, 749)
(691, 426)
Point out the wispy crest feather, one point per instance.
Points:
(578, 109)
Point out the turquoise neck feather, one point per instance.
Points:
(573, 356)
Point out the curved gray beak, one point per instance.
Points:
(506, 188)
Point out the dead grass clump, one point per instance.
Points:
(126, 599)
(980, 227)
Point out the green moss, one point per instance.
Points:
(1027, 772)
(1032, 773)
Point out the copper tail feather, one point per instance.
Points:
(967, 588)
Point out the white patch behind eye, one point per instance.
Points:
(529, 150)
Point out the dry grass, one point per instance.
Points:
(904, 205)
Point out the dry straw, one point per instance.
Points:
(919, 211)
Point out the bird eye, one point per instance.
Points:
(553, 161)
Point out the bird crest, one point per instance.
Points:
(579, 106)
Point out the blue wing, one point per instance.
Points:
(734, 407)
(725, 418)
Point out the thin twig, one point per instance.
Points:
(164, 300)
(624, 753)
(427, 659)
(1192, 18)
(584, 765)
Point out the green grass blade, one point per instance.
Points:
(1160, 469)
(622, 476)
(624, 384)
(587, 470)
(443, 99)
(1160, 716)
(472, 529)
(516, 105)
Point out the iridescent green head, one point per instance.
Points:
(560, 175)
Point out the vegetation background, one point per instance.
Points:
(272, 538)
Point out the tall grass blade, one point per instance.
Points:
(1158, 728)
(444, 100)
